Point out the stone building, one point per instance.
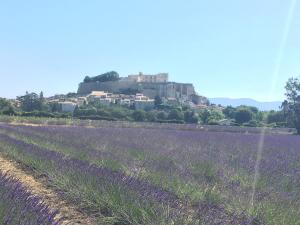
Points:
(149, 85)
(156, 78)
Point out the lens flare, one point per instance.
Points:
(275, 76)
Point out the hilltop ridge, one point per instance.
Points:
(150, 85)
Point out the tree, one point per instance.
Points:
(30, 102)
(243, 115)
(204, 115)
(4, 103)
(253, 109)
(190, 117)
(55, 107)
(157, 100)
(109, 76)
(9, 110)
(42, 96)
(175, 115)
(87, 79)
(229, 112)
(151, 116)
(291, 106)
(6, 107)
(276, 117)
(216, 115)
(162, 115)
(71, 95)
(139, 115)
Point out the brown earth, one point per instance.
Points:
(67, 211)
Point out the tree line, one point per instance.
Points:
(109, 76)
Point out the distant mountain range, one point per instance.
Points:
(264, 106)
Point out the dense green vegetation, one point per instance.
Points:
(291, 106)
(35, 105)
(109, 76)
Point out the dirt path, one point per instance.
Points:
(49, 197)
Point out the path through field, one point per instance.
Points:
(70, 214)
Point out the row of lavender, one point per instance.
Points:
(179, 151)
(153, 204)
(222, 163)
(18, 206)
(110, 193)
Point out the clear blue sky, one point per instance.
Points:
(226, 48)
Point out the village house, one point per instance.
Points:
(143, 102)
(81, 101)
(101, 97)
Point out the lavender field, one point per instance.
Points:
(18, 206)
(146, 175)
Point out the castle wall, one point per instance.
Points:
(149, 89)
(157, 78)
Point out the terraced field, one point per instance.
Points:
(145, 175)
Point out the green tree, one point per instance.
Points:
(162, 115)
(253, 109)
(71, 95)
(175, 115)
(151, 116)
(215, 116)
(9, 110)
(190, 117)
(85, 111)
(42, 99)
(204, 115)
(243, 115)
(139, 115)
(30, 102)
(118, 113)
(276, 117)
(229, 112)
(6, 107)
(109, 76)
(87, 79)
(291, 106)
(4, 103)
(55, 107)
(157, 100)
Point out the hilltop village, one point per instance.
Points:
(139, 91)
(137, 97)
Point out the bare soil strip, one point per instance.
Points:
(67, 211)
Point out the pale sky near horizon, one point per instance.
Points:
(225, 48)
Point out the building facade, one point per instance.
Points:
(156, 78)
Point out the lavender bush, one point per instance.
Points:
(18, 206)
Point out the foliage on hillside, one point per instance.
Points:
(109, 76)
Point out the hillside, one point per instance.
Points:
(264, 106)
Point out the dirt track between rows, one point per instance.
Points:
(67, 211)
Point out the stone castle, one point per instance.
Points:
(149, 85)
